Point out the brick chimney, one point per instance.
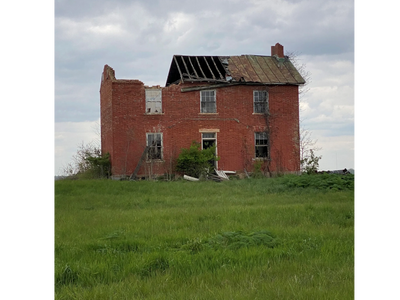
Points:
(277, 50)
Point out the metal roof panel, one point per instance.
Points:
(258, 69)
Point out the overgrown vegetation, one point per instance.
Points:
(290, 237)
(89, 163)
(320, 181)
(195, 161)
(310, 163)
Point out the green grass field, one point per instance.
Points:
(280, 238)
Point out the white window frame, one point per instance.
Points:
(151, 147)
(261, 136)
(202, 100)
(153, 101)
(257, 102)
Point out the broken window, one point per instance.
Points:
(154, 142)
(153, 101)
(261, 145)
(260, 99)
(208, 140)
(208, 103)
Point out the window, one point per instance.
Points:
(260, 99)
(153, 101)
(208, 140)
(208, 102)
(261, 144)
(154, 142)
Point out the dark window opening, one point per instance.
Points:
(261, 145)
(154, 142)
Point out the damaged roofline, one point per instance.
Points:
(196, 68)
(233, 69)
(215, 86)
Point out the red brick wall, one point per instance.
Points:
(125, 124)
(106, 113)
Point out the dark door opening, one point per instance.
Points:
(208, 140)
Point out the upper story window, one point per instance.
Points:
(153, 101)
(260, 100)
(208, 103)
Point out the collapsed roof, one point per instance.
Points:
(251, 69)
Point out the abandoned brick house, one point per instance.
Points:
(247, 106)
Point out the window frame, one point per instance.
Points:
(153, 99)
(258, 103)
(160, 158)
(264, 137)
(204, 137)
(203, 101)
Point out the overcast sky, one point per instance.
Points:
(139, 38)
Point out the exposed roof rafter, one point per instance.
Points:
(255, 69)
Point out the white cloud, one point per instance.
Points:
(177, 22)
(329, 102)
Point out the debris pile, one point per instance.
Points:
(217, 175)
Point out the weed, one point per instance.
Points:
(67, 276)
(193, 246)
(232, 241)
(158, 264)
(115, 247)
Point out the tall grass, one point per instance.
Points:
(240, 239)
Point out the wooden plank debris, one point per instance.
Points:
(230, 172)
(190, 178)
(221, 174)
(134, 174)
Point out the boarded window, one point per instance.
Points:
(260, 99)
(261, 145)
(154, 142)
(153, 101)
(208, 102)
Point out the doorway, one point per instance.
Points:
(209, 139)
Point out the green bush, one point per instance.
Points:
(196, 162)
